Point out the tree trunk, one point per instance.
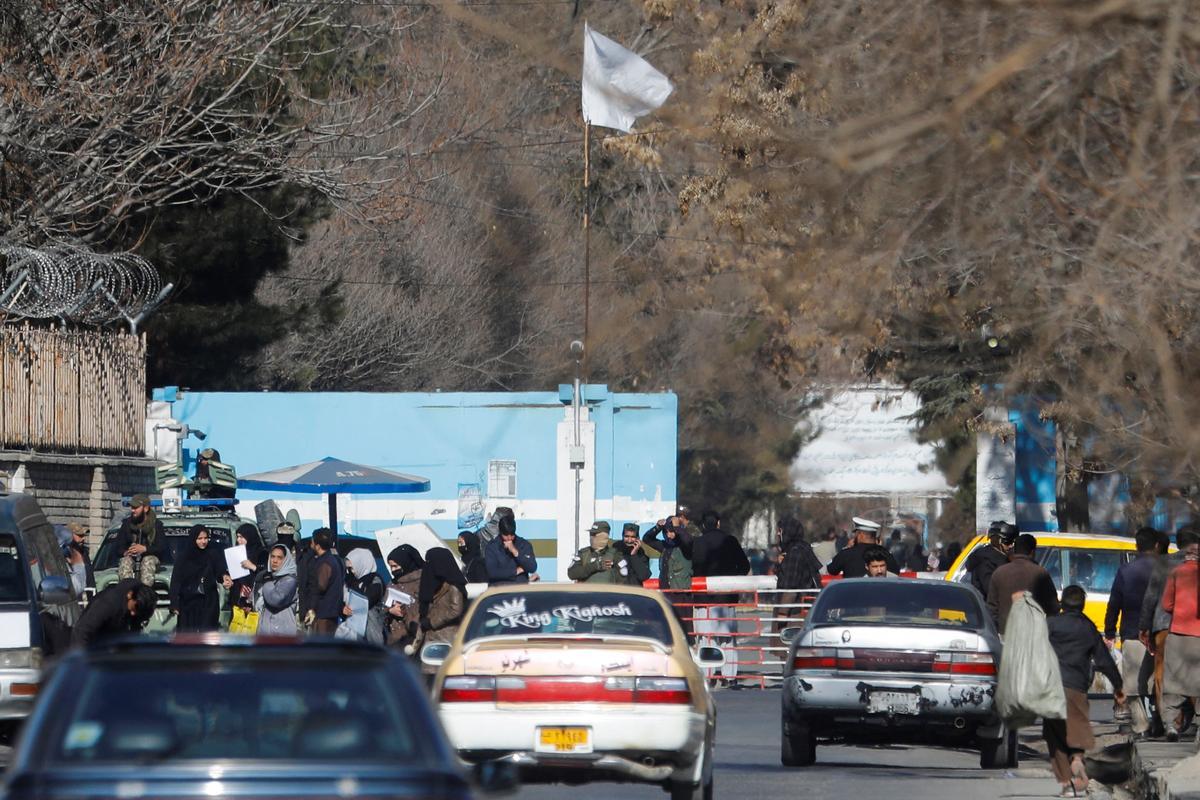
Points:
(1071, 483)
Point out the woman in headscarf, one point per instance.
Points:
(194, 596)
(361, 575)
(799, 569)
(275, 594)
(441, 600)
(474, 567)
(241, 591)
(406, 566)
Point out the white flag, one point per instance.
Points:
(618, 85)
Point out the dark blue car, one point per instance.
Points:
(214, 716)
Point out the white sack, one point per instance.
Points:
(1030, 683)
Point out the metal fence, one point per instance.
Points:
(745, 627)
(72, 391)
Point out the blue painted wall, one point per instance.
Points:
(448, 438)
(1036, 464)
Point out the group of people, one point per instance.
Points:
(1003, 571)
(1154, 607)
(294, 587)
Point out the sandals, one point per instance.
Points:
(1079, 778)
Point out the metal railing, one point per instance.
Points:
(747, 627)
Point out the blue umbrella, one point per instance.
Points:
(332, 476)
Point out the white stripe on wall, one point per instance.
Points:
(368, 507)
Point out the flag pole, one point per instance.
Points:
(587, 239)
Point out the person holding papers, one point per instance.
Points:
(404, 614)
(194, 595)
(249, 560)
(364, 591)
(361, 576)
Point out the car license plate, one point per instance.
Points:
(564, 740)
(893, 703)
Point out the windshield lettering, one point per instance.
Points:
(512, 614)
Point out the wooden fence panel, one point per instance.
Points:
(72, 391)
(16, 391)
(66, 391)
(43, 351)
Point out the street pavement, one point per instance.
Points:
(748, 767)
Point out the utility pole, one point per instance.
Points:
(576, 456)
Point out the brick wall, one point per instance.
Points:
(83, 489)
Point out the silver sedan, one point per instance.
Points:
(894, 660)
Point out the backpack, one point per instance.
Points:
(377, 620)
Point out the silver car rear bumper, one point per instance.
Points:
(958, 703)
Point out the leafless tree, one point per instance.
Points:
(113, 108)
(908, 180)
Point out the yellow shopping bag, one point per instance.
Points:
(243, 621)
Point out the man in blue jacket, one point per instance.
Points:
(1125, 605)
(509, 558)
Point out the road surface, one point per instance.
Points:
(748, 767)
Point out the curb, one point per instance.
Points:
(1166, 770)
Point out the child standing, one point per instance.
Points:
(1078, 646)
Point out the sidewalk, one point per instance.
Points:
(1167, 771)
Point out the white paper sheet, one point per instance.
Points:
(395, 596)
(234, 556)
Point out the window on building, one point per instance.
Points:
(502, 478)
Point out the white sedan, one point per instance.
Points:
(579, 682)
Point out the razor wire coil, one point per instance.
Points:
(71, 283)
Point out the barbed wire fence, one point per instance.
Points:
(73, 284)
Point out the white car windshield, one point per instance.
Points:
(580, 613)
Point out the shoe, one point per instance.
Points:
(1079, 778)
(735, 685)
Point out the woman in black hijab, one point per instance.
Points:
(194, 579)
(241, 591)
(440, 575)
(799, 570)
(474, 567)
(442, 599)
(406, 566)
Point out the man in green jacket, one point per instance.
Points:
(596, 563)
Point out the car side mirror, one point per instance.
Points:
(495, 777)
(789, 635)
(710, 656)
(433, 655)
(54, 590)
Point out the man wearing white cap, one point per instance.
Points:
(850, 563)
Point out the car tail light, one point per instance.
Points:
(965, 663)
(662, 690)
(565, 689)
(878, 660)
(569, 689)
(469, 689)
(815, 658)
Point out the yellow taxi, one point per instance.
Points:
(1089, 560)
